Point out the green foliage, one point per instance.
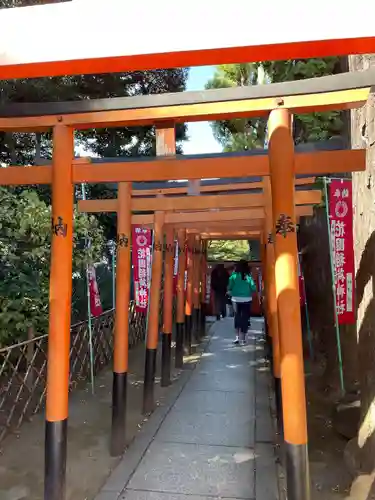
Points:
(243, 134)
(239, 134)
(26, 148)
(228, 250)
(314, 126)
(25, 229)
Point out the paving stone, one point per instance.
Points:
(107, 495)
(196, 470)
(266, 479)
(154, 495)
(212, 429)
(264, 429)
(222, 382)
(232, 403)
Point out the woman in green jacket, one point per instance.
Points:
(241, 288)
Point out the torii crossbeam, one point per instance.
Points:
(195, 37)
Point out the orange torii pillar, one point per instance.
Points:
(203, 270)
(263, 292)
(281, 158)
(270, 294)
(189, 295)
(180, 323)
(121, 332)
(167, 309)
(59, 314)
(196, 287)
(153, 315)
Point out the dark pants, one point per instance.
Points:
(242, 316)
(220, 305)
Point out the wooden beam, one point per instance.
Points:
(315, 163)
(227, 235)
(207, 225)
(221, 201)
(245, 217)
(143, 116)
(213, 188)
(312, 163)
(240, 224)
(181, 218)
(194, 39)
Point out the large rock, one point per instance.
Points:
(346, 417)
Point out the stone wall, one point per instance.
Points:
(363, 135)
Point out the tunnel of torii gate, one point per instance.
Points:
(272, 212)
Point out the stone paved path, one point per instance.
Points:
(215, 439)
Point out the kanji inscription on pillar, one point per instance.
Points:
(285, 225)
(341, 226)
(122, 240)
(141, 257)
(59, 228)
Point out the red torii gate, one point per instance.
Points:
(31, 46)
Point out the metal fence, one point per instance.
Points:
(23, 366)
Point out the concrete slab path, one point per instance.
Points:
(215, 439)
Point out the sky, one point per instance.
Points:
(200, 134)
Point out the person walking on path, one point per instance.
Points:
(219, 284)
(241, 287)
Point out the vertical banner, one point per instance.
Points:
(141, 257)
(341, 222)
(175, 268)
(187, 256)
(95, 302)
(208, 285)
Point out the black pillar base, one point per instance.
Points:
(119, 391)
(55, 459)
(297, 471)
(166, 350)
(196, 325)
(179, 351)
(188, 335)
(149, 381)
(279, 405)
(203, 319)
(270, 352)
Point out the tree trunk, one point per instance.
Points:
(315, 263)
(38, 148)
(362, 120)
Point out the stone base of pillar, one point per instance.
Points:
(119, 391)
(203, 319)
(149, 381)
(188, 335)
(166, 352)
(297, 471)
(179, 351)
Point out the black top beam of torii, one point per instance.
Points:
(324, 84)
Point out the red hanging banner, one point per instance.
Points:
(175, 268)
(341, 223)
(187, 257)
(208, 284)
(95, 302)
(141, 257)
